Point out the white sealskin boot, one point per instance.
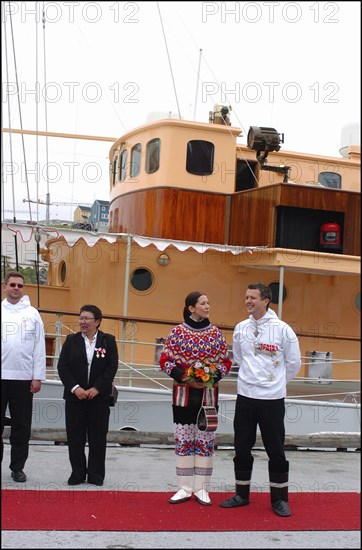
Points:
(185, 479)
(202, 479)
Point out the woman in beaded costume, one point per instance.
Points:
(196, 339)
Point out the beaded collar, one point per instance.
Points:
(197, 324)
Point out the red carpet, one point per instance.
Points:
(77, 510)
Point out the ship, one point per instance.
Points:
(191, 208)
(205, 205)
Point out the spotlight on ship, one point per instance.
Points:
(264, 139)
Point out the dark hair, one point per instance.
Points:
(93, 309)
(12, 274)
(191, 300)
(265, 291)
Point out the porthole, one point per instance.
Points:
(330, 179)
(62, 271)
(274, 287)
(142, 279)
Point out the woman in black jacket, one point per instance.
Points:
(87, 365)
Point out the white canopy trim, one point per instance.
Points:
(71, 236)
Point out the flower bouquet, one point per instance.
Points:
(202, 372)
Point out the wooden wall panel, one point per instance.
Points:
(171, 213)
(252, 218)
(253, 213)
(352, 226)
(247, 218)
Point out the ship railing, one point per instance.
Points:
(149, 375)
(146, 373)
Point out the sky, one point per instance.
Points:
(102, 69)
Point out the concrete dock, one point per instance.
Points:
(152, 468)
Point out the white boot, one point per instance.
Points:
(181, 496)
(185, 479)
(202, 479)
(202, 497)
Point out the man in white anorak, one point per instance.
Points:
(23, 367)
(267, 352)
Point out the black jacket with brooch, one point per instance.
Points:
(73, 365)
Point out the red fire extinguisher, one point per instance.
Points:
(330, 236)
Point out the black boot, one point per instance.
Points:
(279, 493)
(242, 489)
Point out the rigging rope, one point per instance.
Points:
(169, 61)
(46, 121)
(20, 114)
(10, 133)
(11, 149)
(36, 115)
(197, 84)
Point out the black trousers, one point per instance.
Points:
(87, 420)
(269, 415)
(16, 394)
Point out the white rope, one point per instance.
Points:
(169, 60)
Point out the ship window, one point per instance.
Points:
(123, 165)
(135, 160)
(330, 179)
(114, 170)
(245, 175)
(141, 279)
(114, 221)
(357, 302)
(153, 156)
(274, 287)
(200, 157)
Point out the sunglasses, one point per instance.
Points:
(13, 285)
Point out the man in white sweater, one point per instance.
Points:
(23, 365)
(268, 355)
